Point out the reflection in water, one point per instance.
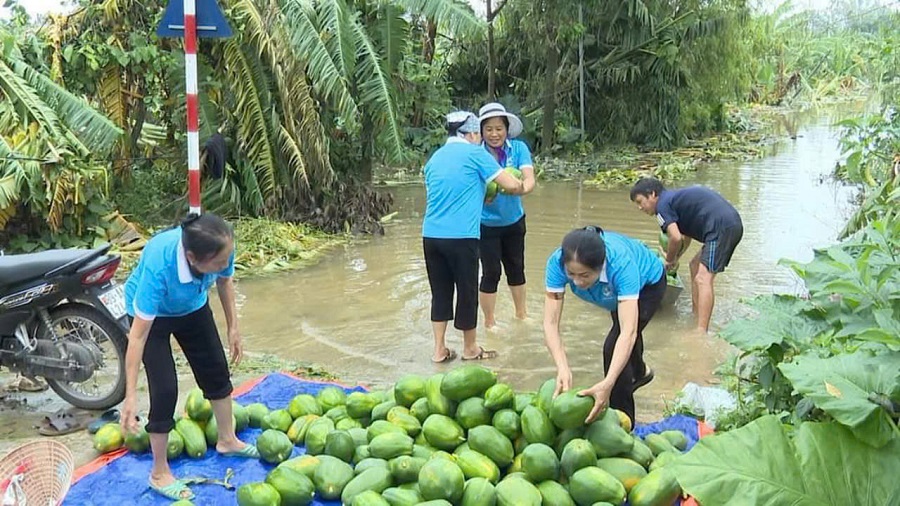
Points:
(363, 313)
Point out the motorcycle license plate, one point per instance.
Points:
(114, 300)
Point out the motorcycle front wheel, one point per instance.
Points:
(86, 326)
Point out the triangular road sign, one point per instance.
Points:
(211, 21)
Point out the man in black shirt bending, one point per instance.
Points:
(698, 213)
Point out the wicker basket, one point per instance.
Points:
(37, 473)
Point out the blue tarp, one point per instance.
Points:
(685, 424)
(124, 480)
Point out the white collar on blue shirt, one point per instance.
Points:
(506, 144)
(184, 270)
(603, 278)
(456, 140)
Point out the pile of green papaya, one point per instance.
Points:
(195, 430)
(459, 438)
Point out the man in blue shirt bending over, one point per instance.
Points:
(698, 213)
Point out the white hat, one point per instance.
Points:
(496, 109)
(468, 122)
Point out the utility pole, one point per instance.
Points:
(581, 67)
(191, 19)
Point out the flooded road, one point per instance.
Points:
(363, 312)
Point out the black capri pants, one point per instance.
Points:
(502, 246)
(622, 395)
(452, 264)
(198, 338)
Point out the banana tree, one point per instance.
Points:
(52, 142)
(353, 49)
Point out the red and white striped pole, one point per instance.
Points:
(193, 121)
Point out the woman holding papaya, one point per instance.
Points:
(502, 241)
(623, 276)
(166, 295)
(456, 177)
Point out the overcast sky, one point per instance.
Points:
(36, 7)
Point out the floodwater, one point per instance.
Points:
(363, 312)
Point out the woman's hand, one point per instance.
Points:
(563, 380)
(600, 392)
(128, 420)
(236, 345)
(553, 304)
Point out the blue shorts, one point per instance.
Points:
(716, 254)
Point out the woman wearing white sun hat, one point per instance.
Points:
(456, 177)
(503, 217)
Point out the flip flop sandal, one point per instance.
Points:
(174, 491)
(247, 452)
(483, 354)
(200, 480)
(449, 357)
(110, 416)
(62, 423)
(23, 384)
(648, 377)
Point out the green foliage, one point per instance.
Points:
(846, 388)
(817, 381)
(668, 170)
(659, 73)
(850, 319)
(266, 246)
(423, 99)
(655, 72)
(768, 463)
(305, 94)
(872, 148)
(832, 354)
(50, 181)
(813, 55)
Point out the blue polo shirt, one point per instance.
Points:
(456, 177)
(699, 212)
(629, 267)
(162, 283)
(505, 209)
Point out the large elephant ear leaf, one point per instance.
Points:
(847, 388)
(758, 464)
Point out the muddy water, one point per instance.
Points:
(363, 313)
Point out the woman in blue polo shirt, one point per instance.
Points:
(166, 295)
(456, 177)
(503, 218)
(618, 274)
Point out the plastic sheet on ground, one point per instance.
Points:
(123, 480)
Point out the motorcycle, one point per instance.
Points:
(63, 318)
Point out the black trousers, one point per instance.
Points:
(452, 264)
(198, 338)
(622, 395)
(502, 246)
